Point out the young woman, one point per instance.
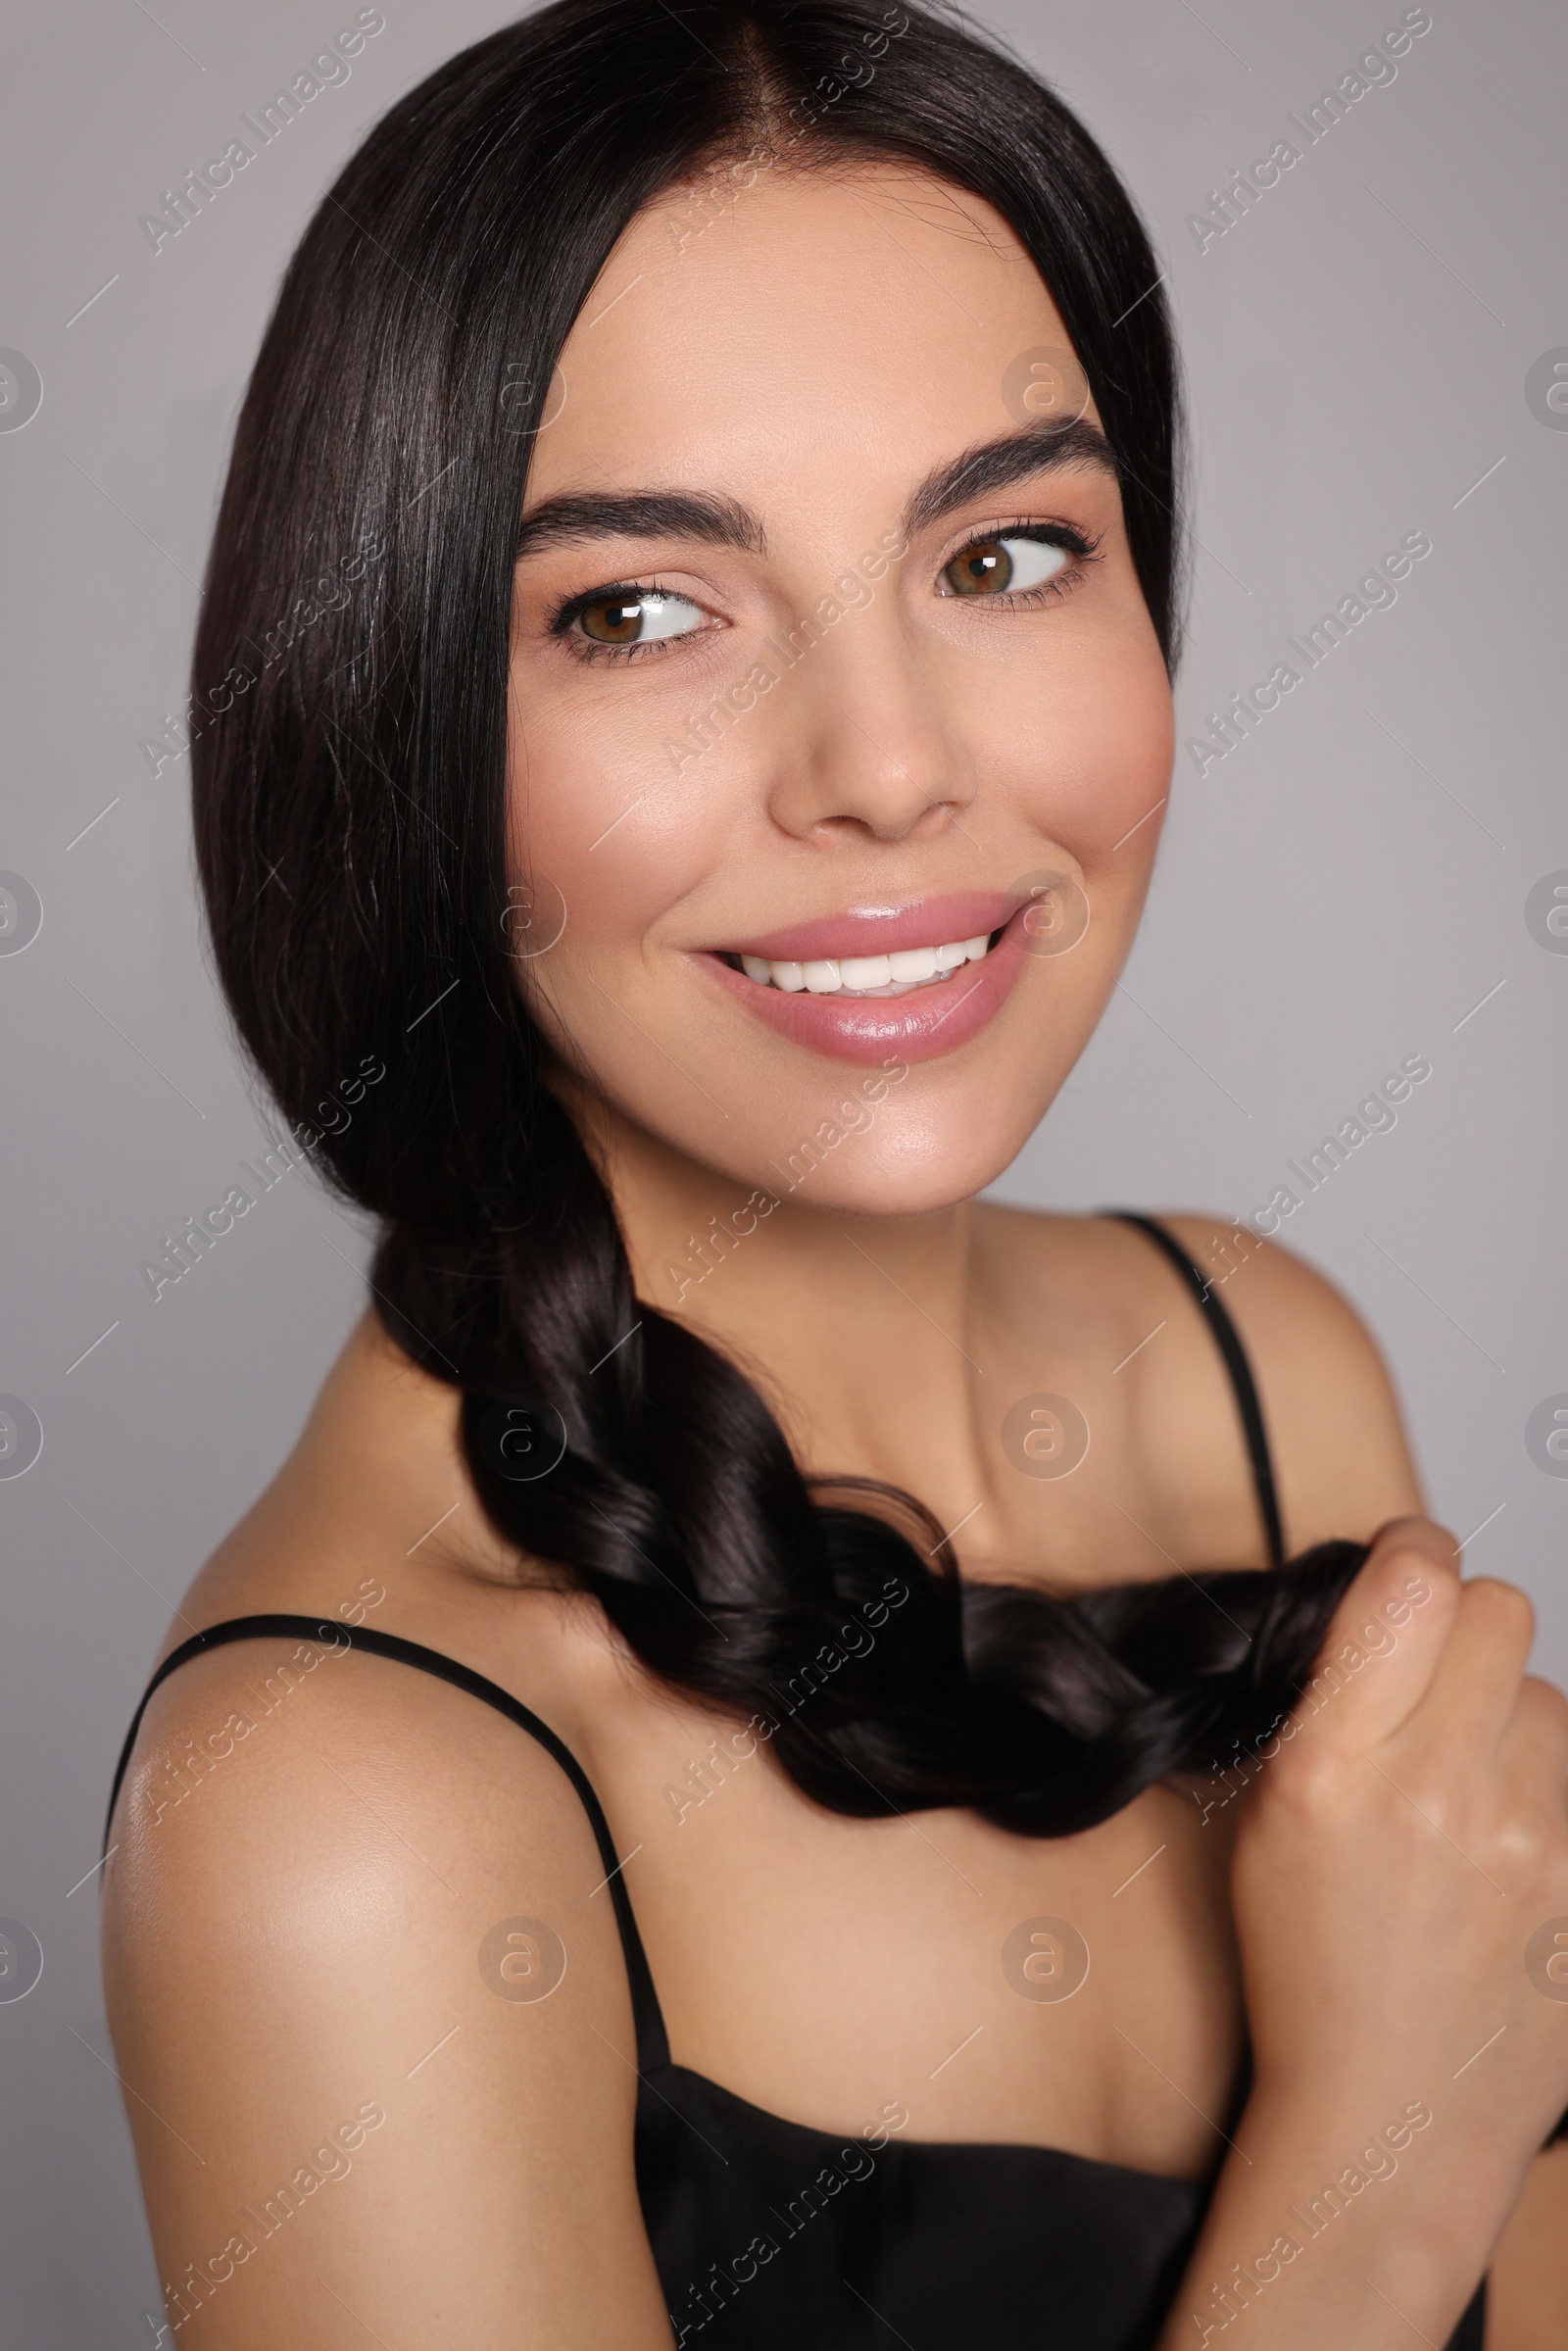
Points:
(792, 1757)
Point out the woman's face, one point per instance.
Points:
(822, 656)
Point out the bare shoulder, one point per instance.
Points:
(351, 1940)
(1340, 1456)
(1335, 1439)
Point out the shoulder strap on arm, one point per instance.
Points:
(1229, 1343)
(337, 1636)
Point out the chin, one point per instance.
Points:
(905, 1161)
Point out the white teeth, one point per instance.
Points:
(892, 974)
(912, 964)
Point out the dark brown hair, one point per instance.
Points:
(349, 760)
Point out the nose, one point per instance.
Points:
(861, 741)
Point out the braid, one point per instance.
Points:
(348, 752)
(656, 1477)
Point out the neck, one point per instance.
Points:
(856, 1326)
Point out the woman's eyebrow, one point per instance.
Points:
(578, 515)
(575, 518)
(1011, 457)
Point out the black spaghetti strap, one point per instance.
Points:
(653, 2046)
(1235, 1363)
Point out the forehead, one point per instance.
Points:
(858, 325)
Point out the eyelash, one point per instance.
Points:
(585, 649)
(1084, 552)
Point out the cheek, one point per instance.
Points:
(1081, 758)
(600, 810)
(1089, 755)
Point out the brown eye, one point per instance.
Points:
(613, 619)
(1012, 564)
(984, 570)
(634, 616)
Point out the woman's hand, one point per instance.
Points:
(1400, 1873)
(1403, 1846)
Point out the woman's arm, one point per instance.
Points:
(1404, 1838)
(1343, 1467)
(348, 2127)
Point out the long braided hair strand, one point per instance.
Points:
(349, 744)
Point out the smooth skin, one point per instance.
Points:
(293, 1926)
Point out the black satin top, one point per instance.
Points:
(770, 2237)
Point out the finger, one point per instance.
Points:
(1475, 1681)
(1386, 1637)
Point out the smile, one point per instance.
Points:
(895, 974)
(910, 981)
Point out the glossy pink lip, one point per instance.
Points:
(916, 1027)
(882, 930)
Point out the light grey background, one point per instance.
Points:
(1340, 892)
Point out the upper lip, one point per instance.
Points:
(881, 930)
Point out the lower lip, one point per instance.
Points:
(916, 1027)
